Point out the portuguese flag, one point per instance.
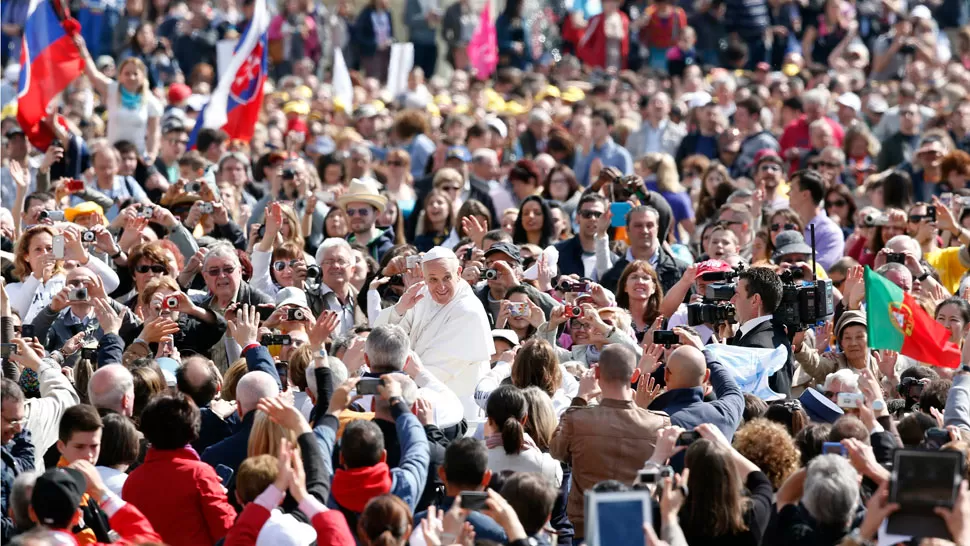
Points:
(897, 322)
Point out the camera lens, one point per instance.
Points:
(491, 274)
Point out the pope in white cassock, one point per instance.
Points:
(449, 330)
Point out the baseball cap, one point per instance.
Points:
(508, 249)
(103, 61)
(819, 408)
(713, 266)
(506, 335)
(850, 100)
(459, 152)
(13, 131)
(498, 126)
(285, 530)
(196, 102)
(365, 111)
(57, 495)
(790, 242)
(178, 92)
(878, 104)
(291, 296)
(173, 123)
(767, 154)
(920, 12)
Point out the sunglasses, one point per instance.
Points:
(770, 167)
(358, 212)
(917, 218)
(280, 265)
(160, 269)
(836, 203)
(214, 272)
(784, 227)
(587, 214)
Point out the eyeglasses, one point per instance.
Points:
(577, 325)
(339, 263)
(358, 212)
(587, 214)
(836, 203)
(16, 422)
(396, 163)
(768, 167)
(784, 227)
(160, 269)
(917, 218)
(280, 265)
(214, 272)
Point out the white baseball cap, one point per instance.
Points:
(850, 100)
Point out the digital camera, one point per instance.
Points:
(89, 237)
(205, 207)
(78, 294)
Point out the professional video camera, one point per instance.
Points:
(804, 303)
(715, 307)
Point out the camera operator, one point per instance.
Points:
(696, 276)
(756, 297)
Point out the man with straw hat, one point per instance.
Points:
(363, 204)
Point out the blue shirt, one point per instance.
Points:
(124, 189)
(610, 154)
(421, 148)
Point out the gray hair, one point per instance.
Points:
(224, 250)
(409, 393)
(238, 156)
(817, 96)
(252, 387)
(847, 377)
(897, 267)
(11, 391)
(908, 242)
(337, 369)
(831, 493)
(387, 348)
(839, 153)
(333, 242)
(20, 494)
(109, 385)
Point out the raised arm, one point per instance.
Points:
(99, 81)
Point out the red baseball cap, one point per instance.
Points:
(767, 154)
(713, 266)
(178, 93)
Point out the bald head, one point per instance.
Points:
(199, 379)
(112, 387)
(80, 272)
(616, 364)
(905, 244)
(252, 387)
(686, 368)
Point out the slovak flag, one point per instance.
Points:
(235, 104)
(49, 62)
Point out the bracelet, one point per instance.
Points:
(119, 253)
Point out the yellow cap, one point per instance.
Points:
(9, 110)
(514, 109)
(87, 207)
(296, 107)
(790, 69)
(303, 92)
(433, 109)
(339, 105)
(379, 105)
(573, 94)
(442, 99)
(549, 91)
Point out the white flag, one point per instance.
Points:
(342, 87)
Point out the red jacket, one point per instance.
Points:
(796, 135)
(129, 523)
(590, 42)
(330, 525)
(181, 496)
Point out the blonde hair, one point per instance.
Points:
(665, 167)
(145, 90)
(21, 267)
(296, 230)
(266, 435)
(621, 318)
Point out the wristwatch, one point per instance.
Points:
(879, 405)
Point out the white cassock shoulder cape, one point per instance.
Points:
(453, 340)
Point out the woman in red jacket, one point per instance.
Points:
(605, 40)
(181, 496)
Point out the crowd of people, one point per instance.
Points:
(454, 313)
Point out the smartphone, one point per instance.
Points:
(413, 261)
(326, 197)
(947, 199)
(920, 481)
(619, 211)
(850, 400)
(617, 517)
(261, 232)
(6, 349)
(368, 385)
(895, 257)
(473, 500)
(935, 438)
(665, 337)
(74, 185)
(834, 448)
(59, 247)
(688, 437)
(89, 353)
(27, 331)
(283, 370)
(225, 474)
(931, 213)
(469, 253)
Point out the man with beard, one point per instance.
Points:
(447, 326)
(770, 170)
(363, 204)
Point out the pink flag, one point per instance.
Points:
(483, 47)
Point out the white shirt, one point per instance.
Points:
(750, 325)
(113, 479)
(131, 125)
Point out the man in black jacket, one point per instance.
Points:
(756, 297)
(577, 256)
(509, 275)
(643, 229)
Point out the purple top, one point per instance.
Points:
(829, 240)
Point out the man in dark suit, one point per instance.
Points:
(757, 296)
(577, 256)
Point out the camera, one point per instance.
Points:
(518, 309)
(193, 187)
(205, 207)
(170, 302)
(581, 287)
(289, 173)
(52, 215)
(491, 274)
(931, 213)
(274, 339)
(88, 237)
(910, 387)
(146, 211)
(688, 437)
(415, 261)
(573, 311)
(665, 338)
(875, 220)
(720, 291)
(653, 473)
(77, 294)
(907, 49)
(313, 272)
(850, 400)
(295, 315)
(709, 312)
(803, 303)
(896, 257)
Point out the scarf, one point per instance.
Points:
(494, 440)
(129, 100)
(352, 488)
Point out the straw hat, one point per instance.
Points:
(362, 192)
